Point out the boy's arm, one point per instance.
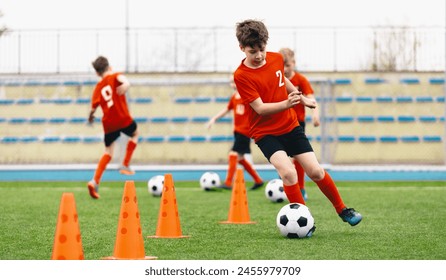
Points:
(91, 115)
(315, 116)
(310, 103)
(265, 109)
(125, 84)
(220, 114)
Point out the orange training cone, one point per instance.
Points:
(168, 218)
(238, 208)
(67, 240)
(129, 243)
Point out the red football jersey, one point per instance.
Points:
(114, 106)
(268, 83)
(241, 121)
(304, 86)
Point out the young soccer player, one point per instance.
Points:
(242, 142)
(303, 85)
(261, 82)
(109, 93)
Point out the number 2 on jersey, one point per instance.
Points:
(107, 94)
(279, 74)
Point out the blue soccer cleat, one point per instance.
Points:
(350, 216)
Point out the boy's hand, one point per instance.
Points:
(294, 98)
(308, 102)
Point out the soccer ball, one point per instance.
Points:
(155, 185)
(209, 181)
(274, 191)
(294, 220)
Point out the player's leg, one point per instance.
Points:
(232, 166)
(93, 184)
(132, 132)
(242, 146)
(300, 178)
(328, 187)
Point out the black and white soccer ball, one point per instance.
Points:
(294, 220)
(209, 180)
(274, 191)
(155, 185)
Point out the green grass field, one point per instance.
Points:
(402, 221)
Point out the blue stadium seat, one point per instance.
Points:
(342, 81)
(17, 120)
(176, 138)
(10, 140)
(72, 83)
(384, 99)
(388, 139)
(202, 99)
(51, 139)
(200, 119)
(432, 139)
(410, 81)
(25, 101)
(154, 139)
(142, 100)
(346, 139)
(71, 139)
(91, 139)
(365, 119)
(179, 119)
(344, 99)
(197, 139)
(84, 100)
(404, 99)
(222, 99)
(345, 119)
(406, 119)
(424, 99)
(367, 139)
(440, 99)
(159, 120)
(62, 101)
(6, 101)
(374, 81)
(89, 83)
(428, 119)
(2, 120)
(57, 120)
(183, 100)
(38, 120)
(410, 139)
(329, 138)
(224, 120)
(436, 81)
(219, 138)
(29, 139)
(141, 119)
(46, 101)
(385, 118)
(364, 99)
(78, 120)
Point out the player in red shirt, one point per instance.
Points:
(242, 141)
(304, 86)
(109, 93)
(261, 82)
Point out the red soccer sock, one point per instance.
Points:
(250, 169)
(300, 174)
(105, 159)
(293, 194)
(329, 189)
(128, 153)
(232, 165)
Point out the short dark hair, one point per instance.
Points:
(252, 33)
(100, 64)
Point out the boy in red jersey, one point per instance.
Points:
(273, 123)
(242, 141)
(109, 93)
(304, 86)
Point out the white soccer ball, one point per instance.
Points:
(209, 180)
(155, 185)
(294, 220)
(274, 191)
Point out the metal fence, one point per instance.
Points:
(216, 49)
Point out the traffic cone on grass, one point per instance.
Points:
(129, 243)
(67, 239)
(238, 207)
(168, 217)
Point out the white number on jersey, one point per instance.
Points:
(280, 76)
(107, 94)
